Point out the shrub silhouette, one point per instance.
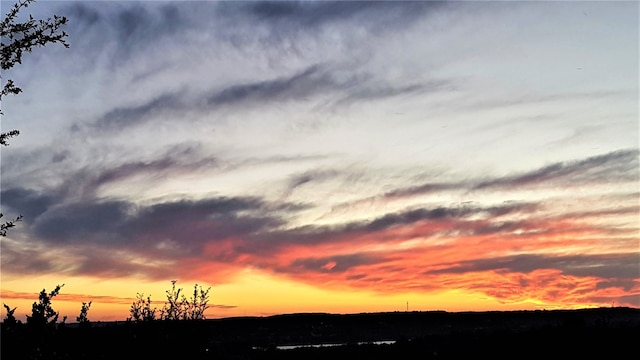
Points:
(43, 336)
(82, 319)
(177, 306)
(141, 309)
(198, 304)
(10, 322)
(180, 308)
(42, 313)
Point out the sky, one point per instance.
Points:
(319, 156)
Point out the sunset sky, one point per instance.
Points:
(321, 156)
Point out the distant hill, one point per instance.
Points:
(604, 332)
(332, 328)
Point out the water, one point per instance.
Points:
(291, 347)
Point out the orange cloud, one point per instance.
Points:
(77, 298)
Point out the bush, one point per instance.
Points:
(177, 306)
(42, 313)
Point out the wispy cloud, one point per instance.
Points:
(308, 82)
(375, 16)
(70, 297)
(383, 146)
(80, 298)
(598, 265)
(122, 118)
(616, 166)
(253, 231)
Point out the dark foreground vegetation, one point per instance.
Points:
(592, 333)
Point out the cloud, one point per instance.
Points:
(28, 258)
(440, 213)
(95, 299)
(8, 294)
(616, 166)
(116, 238)
(336, 85)
(381, 90)
(173, 164)
(76, 181)
(204, 220)
(374, 16)
(253, 231)
(164, 93)
(310, 81)
(76, 222)
(343, 86)
(214, 229)
(28, 202)
(120, 221)
(332, 264)
(122, 118)
(597, 265)
(415, 249)
(131, 29)
(128, 32)
(307, 178)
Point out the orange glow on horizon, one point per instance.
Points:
(259, 294)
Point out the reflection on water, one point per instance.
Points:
(291, 347)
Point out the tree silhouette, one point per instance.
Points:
(82, 319)
(42, 313)
(10, 322)
(17, 38)
(22, 37)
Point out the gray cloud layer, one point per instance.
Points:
(604, 266)
(256, 228)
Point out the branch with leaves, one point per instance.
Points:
(8, 225)
(16, 39)
(21, 37)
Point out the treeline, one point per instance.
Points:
(176, 330)
(47, 336)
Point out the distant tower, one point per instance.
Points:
(407, 306)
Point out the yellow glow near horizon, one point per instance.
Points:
(252, 294)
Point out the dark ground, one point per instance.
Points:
(591, 333)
